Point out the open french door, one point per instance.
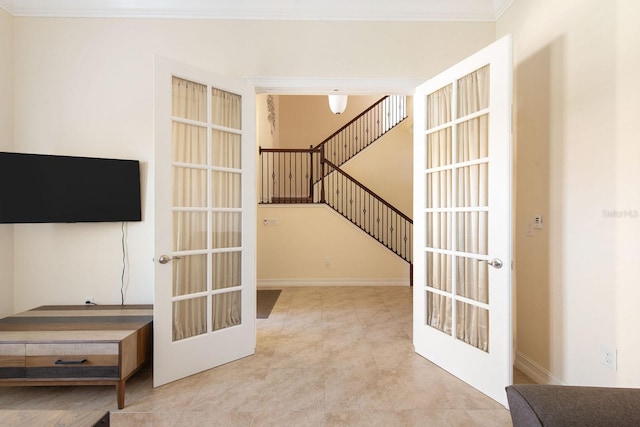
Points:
(462, 220)
(205, 262)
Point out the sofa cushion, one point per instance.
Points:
(535, 405)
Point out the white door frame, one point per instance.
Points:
(326, 86)
(348, 86)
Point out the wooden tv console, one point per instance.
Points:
(75, 345)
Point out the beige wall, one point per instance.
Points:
(295, 250)
(386, 167)
(6, 144)
(85, 87)
(576, 161)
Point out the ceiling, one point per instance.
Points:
(329, 10)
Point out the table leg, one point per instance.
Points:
(120, 388)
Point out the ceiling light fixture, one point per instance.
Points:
(337, 103)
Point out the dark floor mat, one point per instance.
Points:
(266, 300)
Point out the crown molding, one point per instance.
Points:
(327, 10)
(500, 7)
(7, 6)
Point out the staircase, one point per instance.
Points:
(314, 176)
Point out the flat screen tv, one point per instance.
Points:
(38, 188)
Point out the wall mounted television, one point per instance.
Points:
(39, 188)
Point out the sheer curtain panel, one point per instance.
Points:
(457, 208)
(207, 213)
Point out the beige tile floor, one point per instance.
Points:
(327, 356)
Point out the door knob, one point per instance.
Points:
(166, 258)
(495, 263)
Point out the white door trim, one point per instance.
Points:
(325, 86)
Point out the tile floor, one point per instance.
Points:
(327, 356)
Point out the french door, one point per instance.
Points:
(462, 220)
(205, 284)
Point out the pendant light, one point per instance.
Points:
(337, 103)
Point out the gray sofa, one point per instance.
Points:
(560, 406)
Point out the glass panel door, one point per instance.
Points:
(462, 202)
(204, 310)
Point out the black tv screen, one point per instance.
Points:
(38, 188)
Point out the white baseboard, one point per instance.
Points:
(534, 371)
(269, 283)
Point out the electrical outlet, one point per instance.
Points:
(88, 300)
(608, 356)
(327, 262)
(528, 229)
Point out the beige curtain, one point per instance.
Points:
(226, 111)
(189, 143)
(471, 225)
(191, 192)
(439, 192)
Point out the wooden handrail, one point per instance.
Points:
(288, 150)
(351, 122)
(365, 188)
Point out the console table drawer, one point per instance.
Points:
(72, 360)
(72, 349)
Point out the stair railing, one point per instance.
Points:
(368, 211)
(291, 175)
(364, 129)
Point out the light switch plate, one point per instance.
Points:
(537, 221)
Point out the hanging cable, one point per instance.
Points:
(125, 263)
